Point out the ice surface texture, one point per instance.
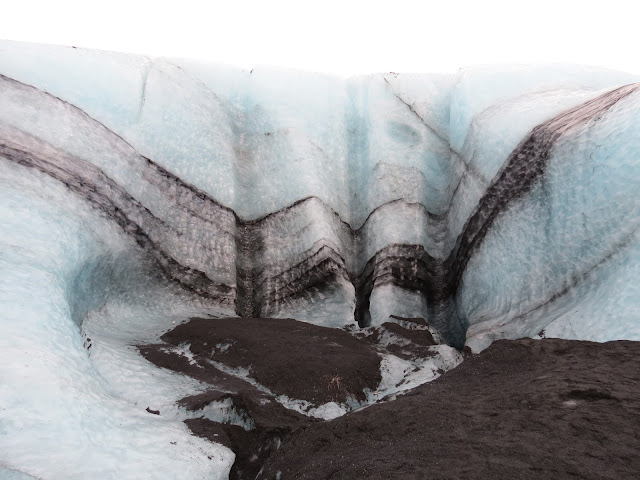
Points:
(495, 203)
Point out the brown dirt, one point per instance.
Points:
(418, 337)
(296, 359)
(524, 409)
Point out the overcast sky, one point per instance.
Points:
(341, 37)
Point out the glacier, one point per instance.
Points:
(496, 202)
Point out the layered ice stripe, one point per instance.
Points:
(581, 212)
(191, 236)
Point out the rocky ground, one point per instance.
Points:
(521, 409)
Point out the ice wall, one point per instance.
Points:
(496, 202)
(263, 189)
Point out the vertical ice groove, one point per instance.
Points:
(143, 88)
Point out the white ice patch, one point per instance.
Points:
(399, 375)
(326, 411)
(183, 350)
(223, 347)
(223, 411)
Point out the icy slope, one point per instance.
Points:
(60, 418)
(137, 192)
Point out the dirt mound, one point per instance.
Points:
(248, 363)
(296, 359)
(525, 409)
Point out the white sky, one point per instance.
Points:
(341, 37)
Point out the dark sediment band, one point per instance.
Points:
(121, 207)
(524, 166)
